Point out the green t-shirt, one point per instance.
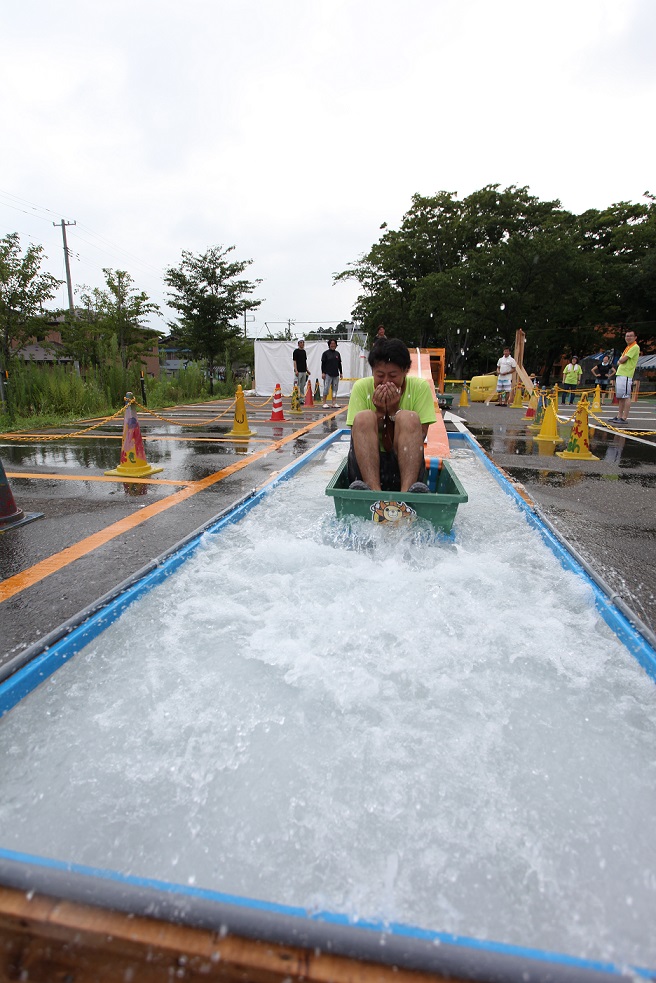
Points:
(628, 368)
(416, 396)
(572, 374)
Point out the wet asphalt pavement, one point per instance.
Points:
(50, 569)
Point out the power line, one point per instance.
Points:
(114, 247)
(24, 201)
(34, 209)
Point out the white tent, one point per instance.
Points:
(274, 363)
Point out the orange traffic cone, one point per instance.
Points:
(308, 395)
(276, 413)
(10, 515)
(133, 456)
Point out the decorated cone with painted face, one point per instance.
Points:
(296, 400)
(579, 441)
(133, 456)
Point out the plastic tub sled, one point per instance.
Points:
(438, 507)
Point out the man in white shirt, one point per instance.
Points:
(505, 368)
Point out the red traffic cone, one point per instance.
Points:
(276, 413)
(308, 395)
(10, 515)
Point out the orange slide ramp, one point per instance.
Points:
(437, 440)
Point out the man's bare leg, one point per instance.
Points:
(364, 434)
(623, 407)
(408, 446)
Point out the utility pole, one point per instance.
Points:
(63, 224)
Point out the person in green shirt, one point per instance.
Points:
(571, 377)
(626, 367)
(389, 414)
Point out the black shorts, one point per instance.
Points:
(390, 476)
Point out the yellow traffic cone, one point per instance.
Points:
(329, 398)
(133, 456)
(464, 400)
(296, 400)
(579, 441)
(517, 403)
(549, 428)
(240, 428)
(596, 401)
(317, 392)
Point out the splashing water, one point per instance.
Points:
(365, 720)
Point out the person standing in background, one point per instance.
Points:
(331, 372)
(505, 368)
(300, 367)
(626, 367)
(603, 373)
(571, 377)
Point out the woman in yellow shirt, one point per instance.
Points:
(571, 377)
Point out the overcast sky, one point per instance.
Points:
(292, 129)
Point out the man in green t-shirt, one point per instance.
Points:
(389, 414)
(626, 367)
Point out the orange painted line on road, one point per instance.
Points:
(97, 477)
(21, 581)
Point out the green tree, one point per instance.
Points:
(85, 335)
(469, 273)
(119, 311)
(24, 289)
(210, 295)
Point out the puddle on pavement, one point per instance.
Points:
(564, 479)
(611, 448)
(181, 460)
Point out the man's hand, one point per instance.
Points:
(386, 398)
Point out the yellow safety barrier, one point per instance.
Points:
(61, 436)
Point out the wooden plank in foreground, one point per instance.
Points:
(46, 940)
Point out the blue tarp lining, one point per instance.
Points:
(400, 945)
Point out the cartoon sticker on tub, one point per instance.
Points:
(392, 512)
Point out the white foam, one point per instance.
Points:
(446, 735)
